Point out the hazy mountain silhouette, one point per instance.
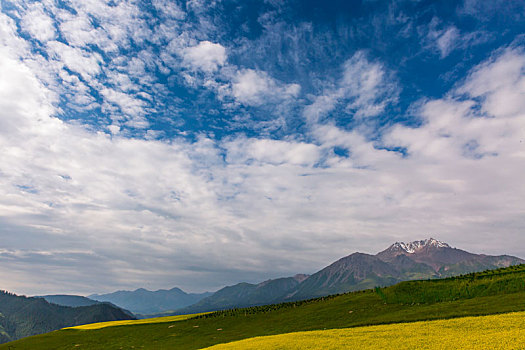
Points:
(144, 302)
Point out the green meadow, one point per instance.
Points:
(485, 293)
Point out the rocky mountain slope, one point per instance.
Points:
(401, 261)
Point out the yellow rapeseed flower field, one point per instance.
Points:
(165, 319)
(504, 331)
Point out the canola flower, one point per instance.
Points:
(165, 319)
(504, 331)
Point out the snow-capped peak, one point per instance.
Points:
(412, 247)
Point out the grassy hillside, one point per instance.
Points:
(381, 306)
(504, 331)
(21, 316)
(486, 283)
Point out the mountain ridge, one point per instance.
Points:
(144, 302)
(247, 294)
(22, 316)
(412, 247)
(421, 259)
(68, 300)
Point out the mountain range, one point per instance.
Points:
(144, 302)
(424, 259)
(247, 294)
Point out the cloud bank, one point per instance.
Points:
(93, 209)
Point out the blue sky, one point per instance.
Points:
(202, 143)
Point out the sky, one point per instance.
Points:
(200, 144)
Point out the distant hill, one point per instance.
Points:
(246, 294)
(424, 259)
(145, 302)
(76, 301)
(21, 316)
(69, 300)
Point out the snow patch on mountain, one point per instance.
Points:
(414, 246)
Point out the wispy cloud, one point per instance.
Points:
(364, 90)
(444, 39)
(254, 88)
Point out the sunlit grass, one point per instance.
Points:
(136, 322)
(504, 331)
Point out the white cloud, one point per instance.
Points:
(365, 88)
(242, 150)
(79, 31)
(446, 40)
(22, 102)
(10, 42)
(500, 83)
(452, 124)
(169, 8)
(472, 159)
(126, 103)
(199, 6)
(78, 94)
(84, 63)
(114, 129)
(38, 24)
(109, 27)
(122, 21)
(122, 81)
(206, 56)
(250, 87)
(368, 85)
(321, 106)
(253, 88)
